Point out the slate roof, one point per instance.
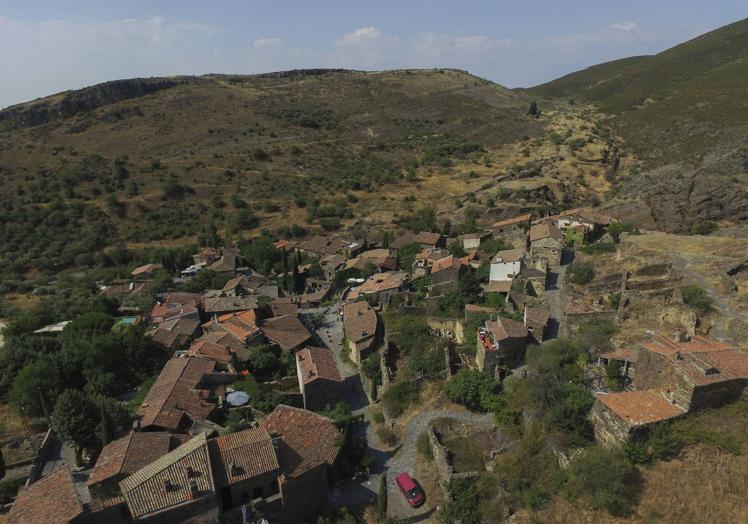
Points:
(243, 455)
(130, 453)
(309, 440)
(166, 482)
(50, 500)
(360, 321)
(175, 394)
(317, 363)
(637, 408)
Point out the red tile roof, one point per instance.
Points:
(309, 439)
(243, 455)
(503, 328)
(511, 221)
(50, 500)
(637, 408)
(667, 347)
(175, 394)
(128, 454)
(317, 363)
(209, 350)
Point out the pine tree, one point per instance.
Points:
(533, 110)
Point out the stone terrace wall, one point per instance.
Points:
(441, 461)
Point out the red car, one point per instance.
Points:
(412, 491)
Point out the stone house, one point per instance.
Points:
(124, 456)
(621, 417)
(176, 487)
(308, 451)
(319, 380)
(472, 241)
(331, 264)
(507, 264)
(362, 329)
(425, 239)
(501, 344)
(693, 373)
(513, 230)
(546, 243)
(534, 281)
(425, 260)
(245, 468)
(380, 287)
(536, 320)
(287, 332)
(50, 500)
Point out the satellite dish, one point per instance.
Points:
(237, 398)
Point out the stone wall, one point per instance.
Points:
(452, 329)
(441, 461)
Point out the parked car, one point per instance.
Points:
(412, 491)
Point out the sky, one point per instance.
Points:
(48, 46)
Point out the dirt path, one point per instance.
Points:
(554, 295)
(728, 311)
(404, 460)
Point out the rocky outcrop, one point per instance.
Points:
(81, 101)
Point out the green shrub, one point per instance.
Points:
(473, 389)
(382, 498)
(580, 273)
(615, 229)
(386, 435)
(423, 446)
(605, 479)
(464, 503)
(600, 247)
(399, 396)
(703, 227)
(697, 298)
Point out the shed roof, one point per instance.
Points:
(637, 408)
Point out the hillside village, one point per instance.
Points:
(304, 390)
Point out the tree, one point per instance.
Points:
(697, 298)
(580, 273)
(36, 379)
(423, 219)
(464, 505)
(473, 389)
(407, 255)
(2, 464)
(382, 498)
(533, 109)
(456, 249)
(75, 419)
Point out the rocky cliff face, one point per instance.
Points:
(81, 101)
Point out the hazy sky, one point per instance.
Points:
(54, 45)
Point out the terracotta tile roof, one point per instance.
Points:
(242, 324)
(130, 453)
(285, 245)
(50, 500)
(637, 408)
(503, 328)
(317, 363)
(228, 261)
(166, 482)
(442, 263)
(512, 221)
(112, 510)
(509, 255)
(211, 351)
(628, 354)
(162, 312)
(243, 455)
(541, 231)
(360, 321)
(309, 439)
(316, 296)
(148, 268)
(184, 298)
(223, 338)
(432, 254)
(334, 260)
(425, 237)
(286, 331)
(379, 282)
(175, 394)
(665, 346)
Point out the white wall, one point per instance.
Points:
(504, 270)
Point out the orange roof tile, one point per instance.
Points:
(637, 408)
(317, 363)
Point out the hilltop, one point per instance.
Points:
(681, 112)
(161, 159)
